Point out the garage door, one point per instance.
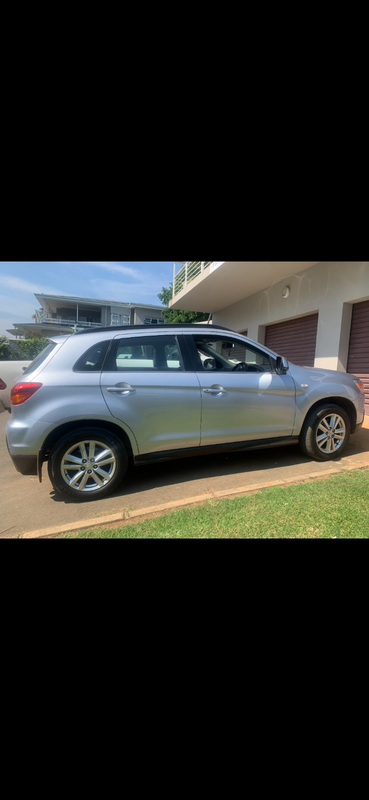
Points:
(358, 359)
(294, 339)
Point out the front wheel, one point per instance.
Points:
(87, 464)
(325, 433)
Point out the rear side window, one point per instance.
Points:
(144, 353)
(40, 358)
(93, 359)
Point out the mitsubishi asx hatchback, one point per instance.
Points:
(98, 399)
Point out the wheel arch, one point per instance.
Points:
(69, 427)
(343, 402)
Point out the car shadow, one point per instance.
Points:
(171, 473)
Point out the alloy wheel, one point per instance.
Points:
(88, 465)
(330, 433)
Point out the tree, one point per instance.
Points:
(4, 344)
(27, 349)
(176, 315)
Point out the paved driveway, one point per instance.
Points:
(26, 505)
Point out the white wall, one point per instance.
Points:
(328, 287)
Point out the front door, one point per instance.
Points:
(242, 396)
(146, 384)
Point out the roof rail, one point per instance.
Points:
(113, 328)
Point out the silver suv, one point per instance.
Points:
(94, 400)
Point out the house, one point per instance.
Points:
(315, 313)
(59, 314)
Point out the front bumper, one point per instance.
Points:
(358, 426)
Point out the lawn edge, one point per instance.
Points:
(128, 517)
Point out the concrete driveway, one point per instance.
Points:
(26, 505)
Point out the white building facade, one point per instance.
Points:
(59, 314)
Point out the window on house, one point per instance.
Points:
(120, 319)
(153, 321)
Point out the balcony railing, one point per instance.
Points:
(187, 273)
(71, 322)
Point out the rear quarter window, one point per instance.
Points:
(93, 359)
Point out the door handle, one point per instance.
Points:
(215, 390)
(123, 390)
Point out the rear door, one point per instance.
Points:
(242, 396)
(149, 384)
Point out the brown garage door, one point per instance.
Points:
(294, 339)
(358, 359)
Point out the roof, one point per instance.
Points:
(43, 324)
(39, 326)
(94, 301)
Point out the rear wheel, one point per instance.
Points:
(87, 464)
(325, 433)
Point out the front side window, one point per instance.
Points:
(218, 353)
(148, 353)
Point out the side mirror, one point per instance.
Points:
(209, 363)
(281, 365)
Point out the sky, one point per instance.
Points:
(123, 281)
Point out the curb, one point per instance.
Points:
(142, 513)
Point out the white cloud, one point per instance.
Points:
(125, 292)
(112, 267)
(20, 285)
(18, 309)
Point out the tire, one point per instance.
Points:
(76, 449)
(325, 433)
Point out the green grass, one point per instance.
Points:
(335, 506)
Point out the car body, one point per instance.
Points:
(94, 400)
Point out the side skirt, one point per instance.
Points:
(188, 452)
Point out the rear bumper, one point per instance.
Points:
(26, 465)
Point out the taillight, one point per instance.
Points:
(22, 391)
(2, 384)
